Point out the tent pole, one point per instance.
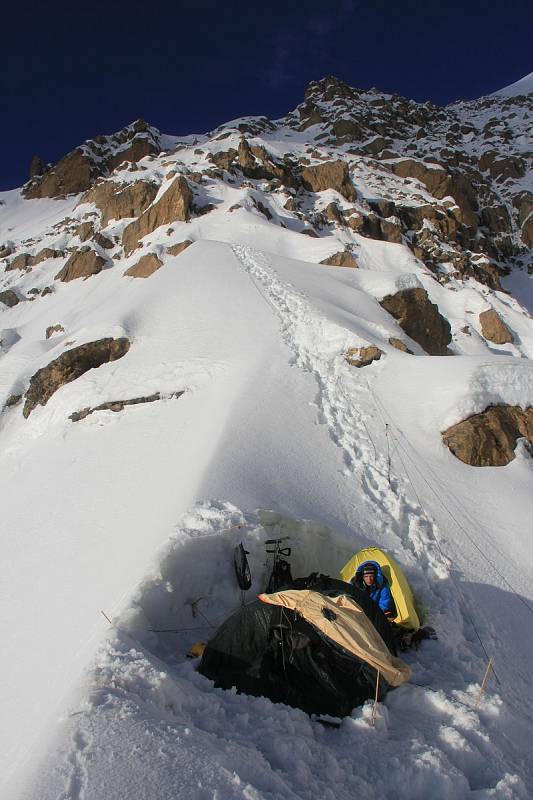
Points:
(375, 706)
(484, 682)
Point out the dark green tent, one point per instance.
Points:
(266, 650)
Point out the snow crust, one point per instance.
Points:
(520, 87)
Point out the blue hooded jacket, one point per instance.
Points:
(380, 592)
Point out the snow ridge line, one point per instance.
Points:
(318, 347)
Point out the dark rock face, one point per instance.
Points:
(9, 298)
(175, 204)
(420, 319)
(37, 167)
(81, 264)
(69, 366)
(119, 405)
(489, 439)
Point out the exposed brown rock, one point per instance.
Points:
(22, 261)
(441, 184)
(44, 254)
(5, 250)
(494, 328)
(103, 241)
(399, 344)
(342, 259)
(85, 231)
(420, 319)
(332, 213)
(362, 356)
(9, 298)
(120, 200)
(176, 249)
(489, 439)
(258, 164)
(74, 173)
(174, 205)
(526, 233)
(497, 219)
(137, 150)
(119, 405)
(329, 175)
(145, 266)
(374, 227)
(223, 159)
(81, 264)
(51, 329)
(69, 366)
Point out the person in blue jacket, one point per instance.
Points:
(370, 579)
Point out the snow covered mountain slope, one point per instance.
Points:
(153, 420)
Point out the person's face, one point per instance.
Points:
(369, 578)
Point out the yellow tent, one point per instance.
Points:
(400, 589)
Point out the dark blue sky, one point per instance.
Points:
(69, 71)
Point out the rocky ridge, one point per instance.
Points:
(451, 188)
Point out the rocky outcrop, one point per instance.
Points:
(145, 266)
(420, 319)
(384, 230)
(257, 163)
(489, 439)
(494, 328)
(329, 175)
(25, 261)
(526, 233)
(45, 254)
(362, 356)
(9, 298)
(69, 366)
(174, 205)
(74, 173)
(176, 249)
(97, 157)
(440, 184)
(22, 261)
(399, 344)
(85, 231)
(51, 329)
(37, 167)
(120, 405)
(119, 200)
(81, 264)
(342, 259)
(103, 241)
